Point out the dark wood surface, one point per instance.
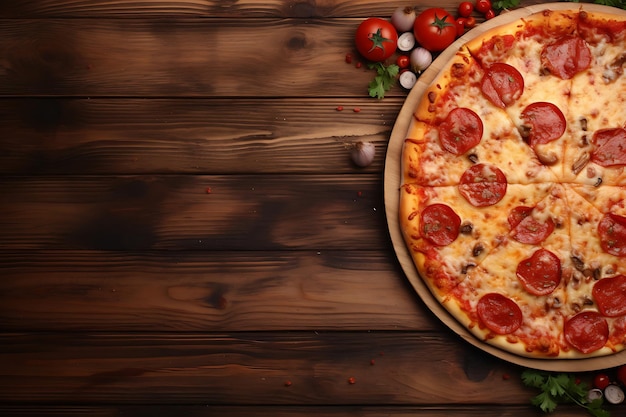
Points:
(182, 232)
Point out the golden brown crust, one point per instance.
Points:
(454, 72)
(547, 23)
(600, 18)
(410, 207)
(411, 151)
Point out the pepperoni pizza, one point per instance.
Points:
(513, 195)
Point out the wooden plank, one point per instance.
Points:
(177, 56)
(200, 291)
(244, 8)
(191, 57)
(226, 136)
(416, 369)
(284, 411)
(270, 212)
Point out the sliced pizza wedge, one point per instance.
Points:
(513, 299)
(534, 48)
(459, 125)
(596, 135)
(596, 292)
(450, 230)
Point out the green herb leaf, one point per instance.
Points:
(614, 3)
(557, 384)
(561, 389)
(504, 4)
(596, 410)
(384, 80)
(533, 379)
(545, 401)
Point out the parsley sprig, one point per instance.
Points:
(504, 4)
(511, 4)
(561, 389)
(384, 79)
(615, 3)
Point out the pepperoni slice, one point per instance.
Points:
(439, 224)
(502, 84)
(528, 229)
(612, 231)
(566, 57)
(498, 313)
(610, 295)
(483, 185)
(518, 214)
(587, 331)
(543, 122)
(460, 131)
(541, 273)
(610, 147)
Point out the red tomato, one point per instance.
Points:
(490, 14)
(470, 22)
(403, 61)
(621, 374)
(435, 29)
(483, 5)
(465, 8)
(460, 23)
(601, 381)
(376, 39)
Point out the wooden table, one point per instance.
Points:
(182, 232)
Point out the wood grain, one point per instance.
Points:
(179, 57)
(221, 8)
(177, 212)
(182, 231)
(283, 411)
(251, 368)
(206, 291)
(191, 136)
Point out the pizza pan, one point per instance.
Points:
(392, 180)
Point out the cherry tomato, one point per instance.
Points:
(403, 61)
(470, 22)
(621, 374)
(490, 14)
(483, 5)
(435, 29)
(460, 24)
(465, 8)
(376, 39)
(601, 381)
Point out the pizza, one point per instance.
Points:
(513, 185)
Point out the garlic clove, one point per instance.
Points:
(420, 58)
(407, 79)
(406, 42)
(362, 153)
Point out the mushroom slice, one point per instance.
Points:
(581, 162)
(545, 156)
